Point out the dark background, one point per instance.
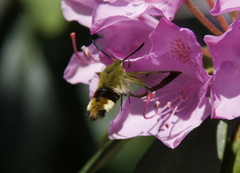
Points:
(42, 122)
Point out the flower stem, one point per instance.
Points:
(234, 15)
(220, 18)
(206, 53)
(103, 155)
(202, 18)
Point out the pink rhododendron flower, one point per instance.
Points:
(225, 90)
(173, 111)
(107, 14)
(223, 6)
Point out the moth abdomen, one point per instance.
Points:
(103, 101)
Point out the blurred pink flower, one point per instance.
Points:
(224, 6)
(225, 90)
(107, 14)
(101, 14)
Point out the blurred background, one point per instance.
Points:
(42, 119)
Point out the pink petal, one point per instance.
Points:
(226, 46)
(177, 49)
(223, 6)
(225, 92)
(80, 72)
(93, 85)
(107, 14)
(79, 10)
(126, 36)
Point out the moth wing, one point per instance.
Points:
(142, 82)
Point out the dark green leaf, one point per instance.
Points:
(236, 167)
(236, 150)
(197, 153)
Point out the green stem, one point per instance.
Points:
(103, 155)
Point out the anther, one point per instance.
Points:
(169, 104)
(149, 97)
(86, 52)
(73, 37)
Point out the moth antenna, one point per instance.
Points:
(134, 51)
(100, 49)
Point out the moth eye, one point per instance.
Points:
(128, 64)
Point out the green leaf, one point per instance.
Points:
(236, 166)
(230, 162)
(197, 153)
(112, 153)
(236, 150)
(221, 138)
(102, 156)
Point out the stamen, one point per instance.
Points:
(177, 102)
(169, 104)
(166, 125)
(182, 97)
(73, 37)
(149, 97)
(86, 52)
(150, 20)
(170, 107)
(174, 110)
(157, 103)
(187, 92)
(152, 94)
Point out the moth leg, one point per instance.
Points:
(121, 101)
(129, 100)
